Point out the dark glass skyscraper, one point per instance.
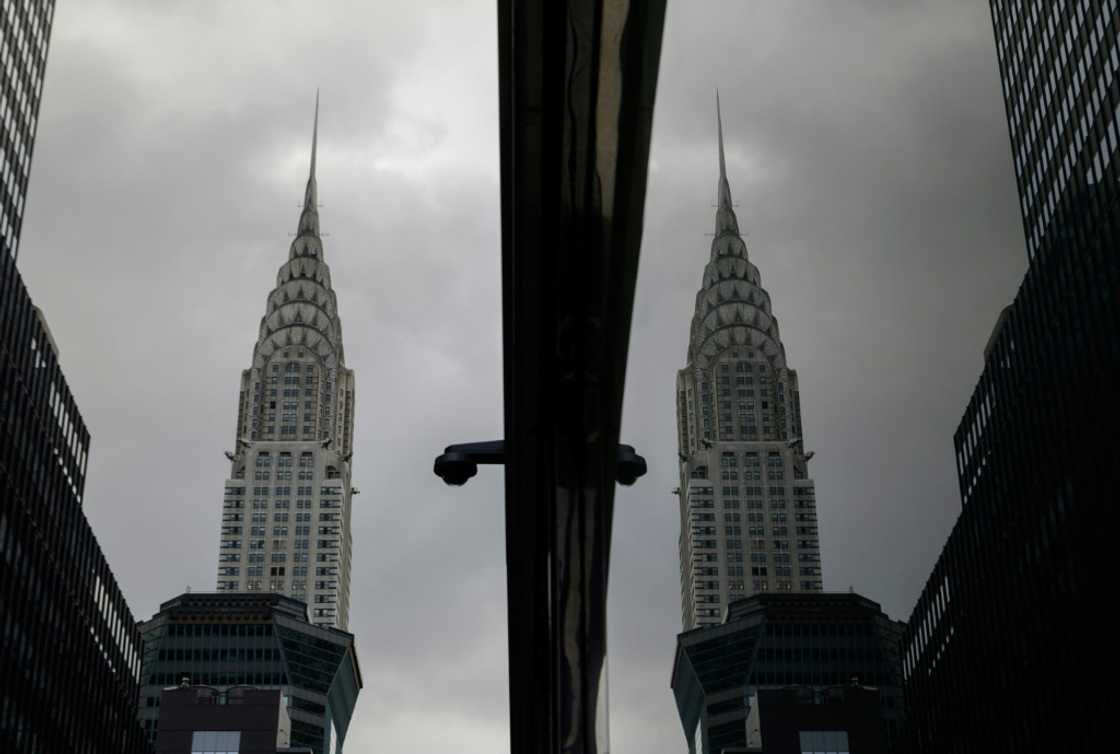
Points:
(25, 31)
(1003, 646)
(813, 641)
(1058, 62)
(69, 648)
(230, 639)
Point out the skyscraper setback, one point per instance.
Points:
(748, 512)
(69, 647)
(286, 513)
(1005, 632)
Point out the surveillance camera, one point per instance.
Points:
(630, 465)
(455, 468)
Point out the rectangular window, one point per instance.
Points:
(822, 741)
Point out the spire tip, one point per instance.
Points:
(315, 134)
(724, 188)
(309, 218)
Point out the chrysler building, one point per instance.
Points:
(286, 512)
(748, 514)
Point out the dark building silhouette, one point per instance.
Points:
(66, 633)
(1008, 625)
(241, 720)
(69, 647)
(773, 641)
(230, 639)
(1059, 64)
(25, 32)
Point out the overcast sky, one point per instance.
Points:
(867, 152)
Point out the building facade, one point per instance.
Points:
(239, 720)
(228, 640)
(776, 641)
(66, 632)
(844, 719)
(747, 504)
(69, 647)
(25, 32)
(1058, 62)
(286, 513)
(1003, 632)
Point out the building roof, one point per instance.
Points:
(725, 656)
(732, 308)
(302, 309)
(209, 605)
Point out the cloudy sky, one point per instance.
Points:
(868, 155)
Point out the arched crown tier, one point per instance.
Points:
(732, 307)
(302, 310)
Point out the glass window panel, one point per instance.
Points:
(824, 741)
(216, 742)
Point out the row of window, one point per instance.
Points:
(282, 491)
(760, 582)
(261, 504)
(280, 531)
(261, 517)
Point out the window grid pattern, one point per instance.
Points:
(60, 606)
(783, 641)
(25, 29)
(1025, 563)
(262, 640)
(1060, 68)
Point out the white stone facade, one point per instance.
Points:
(286, 512)
(747, 504)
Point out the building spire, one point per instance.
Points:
(724, 187)
(309, 217)
(725, 212)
